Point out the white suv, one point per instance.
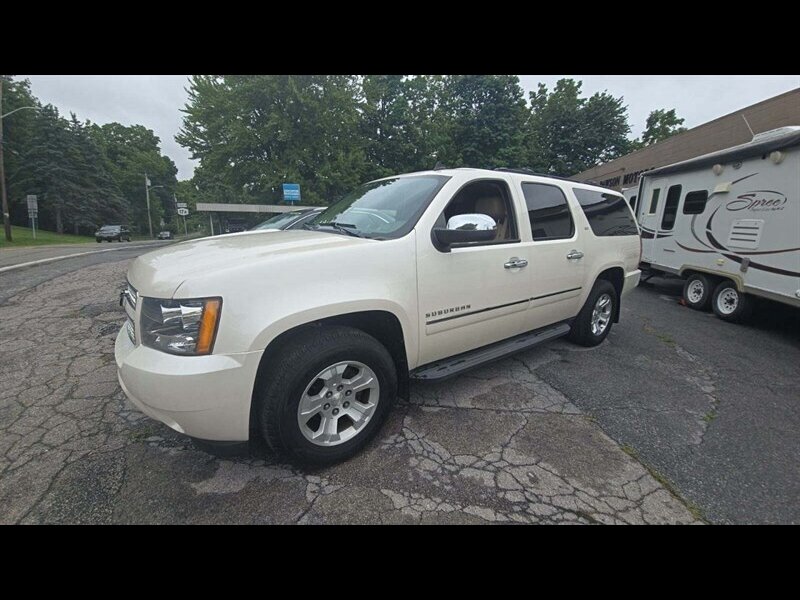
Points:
(307, 337)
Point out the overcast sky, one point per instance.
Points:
(155, 100)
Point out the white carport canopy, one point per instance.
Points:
(248, 208)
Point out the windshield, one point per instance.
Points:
(278, 221)
(109, 228)
(383, 209)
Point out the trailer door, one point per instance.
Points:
(650, 207)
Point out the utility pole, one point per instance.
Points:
(6, 216)
(147, 195)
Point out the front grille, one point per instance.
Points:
(131, 330)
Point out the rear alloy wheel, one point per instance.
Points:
(326, 394)
(593, 323)
(697, 291)
(730, 304)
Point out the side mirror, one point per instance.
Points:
(465, 229)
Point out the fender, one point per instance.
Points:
(290, 321)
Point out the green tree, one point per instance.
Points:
(569, 134)
(252, 134)
(484, 121)
(660, 125)
(133, 151)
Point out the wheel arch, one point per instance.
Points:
(383, 325)
(616, 276)
(686, 271)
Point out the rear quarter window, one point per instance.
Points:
(608, 214)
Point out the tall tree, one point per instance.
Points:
(660, 125)
(252, 134)
(569, 134)
(485, 121)
(133, 151)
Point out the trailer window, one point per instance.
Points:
(695, 202)
(548, 212)
(671, 207)
(654, 201)
(607, 213)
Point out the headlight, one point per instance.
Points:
(180, 326)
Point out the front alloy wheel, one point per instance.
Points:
(338, 402)
(325, 394)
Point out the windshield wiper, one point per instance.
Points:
(310, 227)
(347, 228)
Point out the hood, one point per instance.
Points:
(161, 272)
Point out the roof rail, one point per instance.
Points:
(531, 172)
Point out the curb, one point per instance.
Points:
(75, 255)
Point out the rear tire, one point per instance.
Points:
(316, 364)
(697, 291)
(98, 240)
(730, 304)
(593, 323)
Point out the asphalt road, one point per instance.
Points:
(677, 416)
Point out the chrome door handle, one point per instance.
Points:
(516, 263)
(574, 255)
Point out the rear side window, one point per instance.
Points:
(608, 214)
(671, 207)
(548, 212)
(695, 202)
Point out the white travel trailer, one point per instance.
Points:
(728, 223)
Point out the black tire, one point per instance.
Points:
(725, 296)
(698, 290)
(298, 362)
(98, 240)
(581, 331)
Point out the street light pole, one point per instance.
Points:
(147, 195)
(6, 215)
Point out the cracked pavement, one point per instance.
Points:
(507, 443)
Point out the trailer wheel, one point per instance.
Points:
(697, 291)
(730, 304)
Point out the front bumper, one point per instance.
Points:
(206, 397)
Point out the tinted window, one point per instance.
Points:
(695, 202)
(607, 213)
(654, 201)
(671, 207)
(632, 202)
(548, 212)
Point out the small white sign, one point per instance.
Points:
(183, 211)
(33, 203)
(180, 204)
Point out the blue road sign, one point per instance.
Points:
(291, 192)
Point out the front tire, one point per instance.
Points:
(731, 305)
(593, 323)
(697, 291)
(326, 395)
